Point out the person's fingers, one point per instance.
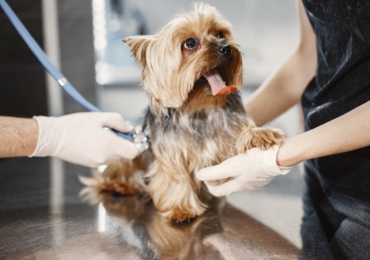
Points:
(224, 170)
(116, 121)
(223, 189)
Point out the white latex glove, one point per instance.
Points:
(243, 172)
(81, 138)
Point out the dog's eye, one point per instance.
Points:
(220, 35)
(190, 43)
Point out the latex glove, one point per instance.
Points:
(243, 172)
(81, 138)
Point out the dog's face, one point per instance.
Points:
(195, 52)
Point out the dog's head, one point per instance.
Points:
(195, 52)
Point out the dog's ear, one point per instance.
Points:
(138, 46)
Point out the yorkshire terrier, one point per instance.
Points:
(192, 71)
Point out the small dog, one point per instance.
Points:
(192, 70)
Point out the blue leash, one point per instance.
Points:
(49, 66)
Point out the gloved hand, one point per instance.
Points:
(81, 138)
(243, 172)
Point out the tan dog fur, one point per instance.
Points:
(189, 127)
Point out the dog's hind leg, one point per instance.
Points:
(124, 177)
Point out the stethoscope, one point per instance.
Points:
(138, 137)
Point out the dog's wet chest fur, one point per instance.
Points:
(208, 133)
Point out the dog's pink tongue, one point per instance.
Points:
(218, 86)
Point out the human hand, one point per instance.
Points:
(81, 138)
(244, 172)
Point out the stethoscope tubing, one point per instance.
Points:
(49, 66)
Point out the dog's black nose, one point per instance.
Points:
(224, 50)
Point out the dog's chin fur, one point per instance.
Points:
(189, 127)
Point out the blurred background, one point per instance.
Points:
(83, 38)
(266, 30)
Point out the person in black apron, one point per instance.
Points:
(329, 74)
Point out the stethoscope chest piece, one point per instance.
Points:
(140, 139)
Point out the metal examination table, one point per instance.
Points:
(42, 216)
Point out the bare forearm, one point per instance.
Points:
(281, 90)
(18, 136)
(346, 133)
(284, 88)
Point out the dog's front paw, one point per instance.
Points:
(263, 138)
(187, 221)
(180, 217)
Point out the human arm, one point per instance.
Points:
(343, 134)
(77, 138)
(18, 136)
(283, 89)
(256, 168)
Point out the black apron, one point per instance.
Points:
(342, 83)
(337, 194)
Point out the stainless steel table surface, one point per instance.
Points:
(42, 216)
